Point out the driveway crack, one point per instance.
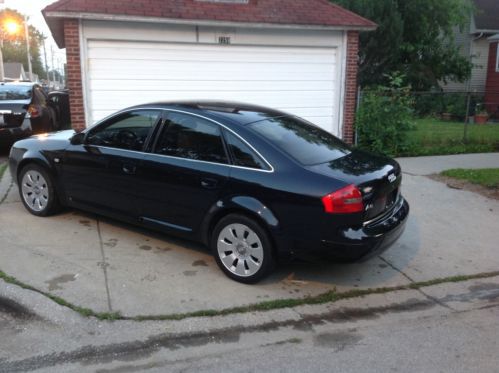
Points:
(433, 299)
(7, 192)
(104, 266)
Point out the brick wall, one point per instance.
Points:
(492, 88)
(350, 86)
(74, 76)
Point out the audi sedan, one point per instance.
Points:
(251, 183)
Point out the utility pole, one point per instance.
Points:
(2, 73)
(26, 30)
(52, 57)
(45, 55)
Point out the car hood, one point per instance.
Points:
(47, 141)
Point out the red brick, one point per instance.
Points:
(350, 86)
(72, 41)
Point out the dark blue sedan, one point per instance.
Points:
(253, 184)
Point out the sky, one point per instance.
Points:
(33, 9)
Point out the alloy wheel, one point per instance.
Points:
(35, 190)
(240, 250)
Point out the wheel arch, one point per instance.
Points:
(248, 206)
(39, 161)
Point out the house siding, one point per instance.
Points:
(479, 52)
(492, 90)
(463, 40)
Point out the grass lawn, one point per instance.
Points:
(433, 136)
(487, 177)
(3, 167)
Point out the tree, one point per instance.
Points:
(14, 48)
(414, 38)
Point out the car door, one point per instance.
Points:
(102, 172)
(44, 119)
(184, 175)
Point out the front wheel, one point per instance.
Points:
(242, 249)
(37, 191)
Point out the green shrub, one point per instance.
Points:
(385, 118)
(428, 104)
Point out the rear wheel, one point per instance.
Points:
(37, 191)
(242, 249)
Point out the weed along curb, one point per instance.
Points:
(328, 297)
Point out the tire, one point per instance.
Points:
(37, 191)
(242, 249)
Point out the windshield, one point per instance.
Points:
(14, 92)
(303, 141)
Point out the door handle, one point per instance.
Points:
(209, 183)
(129, 169)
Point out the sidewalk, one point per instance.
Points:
(437, 164)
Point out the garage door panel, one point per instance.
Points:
(301, 81)
(282, 98)
(211, 85)
(214, 54)
(258, 75)
(125, 69)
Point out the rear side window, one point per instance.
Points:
(15, 92)
(301, 140)
(191, 137)
(242, 154)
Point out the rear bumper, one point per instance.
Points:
(12, 134)
(373, 238)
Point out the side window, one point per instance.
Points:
(191, 137)
(243, 155)
(126, 131)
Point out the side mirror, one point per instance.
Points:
(77, 139)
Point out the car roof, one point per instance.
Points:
(238, 112)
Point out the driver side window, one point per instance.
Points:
(127, 131)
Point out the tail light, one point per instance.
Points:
(34, 111)
(344, 201)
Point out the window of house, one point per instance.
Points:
(191, 137)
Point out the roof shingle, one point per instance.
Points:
(487, 15)
(275, 12)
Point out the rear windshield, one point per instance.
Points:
(14, 92)
(303, 141)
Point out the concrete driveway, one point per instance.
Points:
(107, 266)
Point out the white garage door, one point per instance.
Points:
(302, 81)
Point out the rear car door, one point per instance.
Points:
(184, 175)
(102, 173)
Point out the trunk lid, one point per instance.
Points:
(12, 113)
(377, 177)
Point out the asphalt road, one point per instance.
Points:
(452, 327)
